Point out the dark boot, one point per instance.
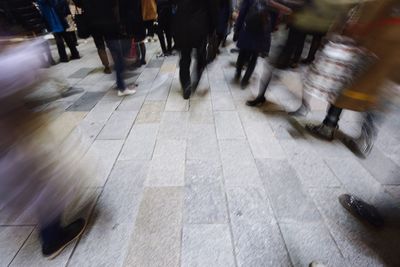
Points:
(362, 210)
(321, 131)
(187, 91)
(259, 100)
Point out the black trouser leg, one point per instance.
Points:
(70, 43)
(201, 59)
(51, 232)
(333, 116)
(299, 46)
(60, 46)
(160, 33)
(168, 35)
(315, 45)
(142, 47)
(252, 65)
(184, 67)
(241, 60)
(265, 80)
(289, 49)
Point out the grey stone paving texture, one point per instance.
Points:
(212, 182)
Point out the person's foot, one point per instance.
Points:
(362, 210)
(143, 62)
(187, 91)
(74, 57)
(294, 65)
(257, 101)
(128, 91)
(302, 111)
(306, 61)
(244, 83)
(69, 234)
(321, 131)
(107, 70)
(237, 76)
(361, 146)
(64, 60)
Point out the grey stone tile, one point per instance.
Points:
(359, 245)
(311, 168)
(119, 125)
(80, 74)
(228, 125)
(157, 237)
(160, 88)
(174, 125)
(249, 205)
(175, 101)
(86, 102)
(382, 168)
(307, 242)
(289, 200)
(259, 244)
(262, 141)
(222, 100)
(203, 172)
(199, 250)
(140, 142)
(151, 112)
(155, 63)
(168, 164)
(358, 181)
(205, 204)
(202, 142)
(132, 103)
(107, 238)
(238, 164)
(11, 240)
(105, 153)
(201, 112)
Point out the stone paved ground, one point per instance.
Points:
(210, 181)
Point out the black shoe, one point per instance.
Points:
(69, 234)
(362, 210)
(256, 102)
(107, 70)
(321, 131)
(74, 57)
(187, 92)
(306, 61)
(143, 62)
(64, 60)
(244, 83)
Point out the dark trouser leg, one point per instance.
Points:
(299, 46)
(101, 50)
(241, 60)
(333, 116)
(201, 59)
(142, 48)
(264, 83)
(250, 68)
(117, 54)
(184, 67)
(315, 44)
(60, 46)
(71, 45)
(168, 35)
(287, 52)
(160, 33)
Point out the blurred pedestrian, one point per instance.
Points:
(193, 22)
(55, 14)
(149, 16)
(107, 22)
(225, 10)
(378, 31)
(164, 26)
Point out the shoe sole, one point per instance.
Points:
(58, 252)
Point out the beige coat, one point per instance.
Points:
(149, 10)
(378, 31)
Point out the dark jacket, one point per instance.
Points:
(24, 14)
(113, 19)
(193, 21)
(256, 42)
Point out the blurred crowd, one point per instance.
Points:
(353, 53)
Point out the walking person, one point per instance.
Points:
(55, 14)
(193, 22)
(224, 17)
(149, 16)
(107, 22)
(164, 26)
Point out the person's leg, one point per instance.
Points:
(142, 47)
(118, 58)
(201, 63)
(250, 68)
(70, 43)
(61, 47)
(184, 71)
(160, 33)
(315, 45)
(168, 35)
(300, 38)
(101, 50)
(264, 83)
(326, 130)
(241, 60)
(285, 55)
